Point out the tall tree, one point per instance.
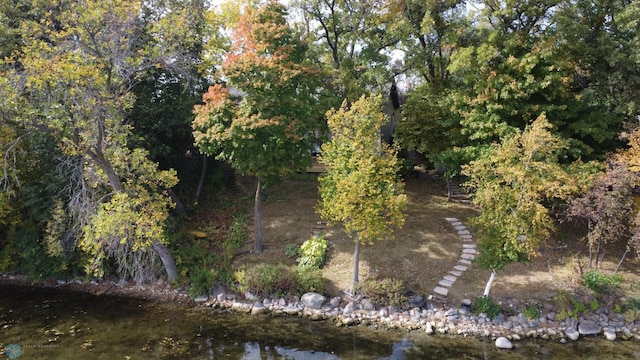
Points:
(360, 188)
(513, 184)
(349, 37)
(601, 41)
(72, 80)
(263, 128)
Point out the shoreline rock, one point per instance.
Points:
(429, 318)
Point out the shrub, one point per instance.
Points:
(313, 251)
(267, 279)
(309, 280)
(383, 292)
(531, 313)
(486, 305)
(236, 235)
(600, 282)
(201, 280)
(292, 250)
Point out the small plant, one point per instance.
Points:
(600, 282)
(383, 292)
(292, 250)
(617, 308)
(313, 251)
(531, 313)
(486, 305)
(594, 305)
(631, 315)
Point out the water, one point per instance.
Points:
(56, 324)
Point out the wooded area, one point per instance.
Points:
(112, 113)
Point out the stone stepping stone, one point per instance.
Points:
(467, 237)
(464, 261)
(460, 227)
(468, 246)
(445, 283)
(467, 257)
(450, 278)
(455, 273)
(457, 223)
(451, 219)
(463, 232)
(441, 291)
(468, 251)
(460, 268)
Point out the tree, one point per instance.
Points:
(72, 80)
(351, 38)
(264, 129)
(514, 183)
(360, 188)
(608, 209)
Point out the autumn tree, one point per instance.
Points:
(608, 209)
(361, 189)
(261, 122)
(514, 183)
(72, 80)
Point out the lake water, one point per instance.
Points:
(58, 324)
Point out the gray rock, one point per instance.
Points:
(258, 308)
(503, 343)
(466, 302)
(498, 319)
(334, 302)
(313, 300)
(201, 299)
(367, 305)
(250, 296)
(349, 309)
(416, 301)
(609, 334)
(464, 310)
(572, 333)
(588, 327)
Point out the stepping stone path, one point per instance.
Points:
(468, 253)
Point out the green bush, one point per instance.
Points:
(267, 280)
(531, 313)
(486, 305)
(237, 231)
(383, 292)
(292, 250)
(201, 280)
(600, 282)
(313, 251)
(309, 280)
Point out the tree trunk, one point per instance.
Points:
(449, 190)
(176, 201)
(167, 261)
(258, 218)
(487, 288)
(203, 173)
(356, 266)
(624, 255)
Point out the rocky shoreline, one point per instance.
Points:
(425, 315)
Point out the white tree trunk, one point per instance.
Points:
(487, 288)
(356, 265)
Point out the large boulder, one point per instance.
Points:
(503, 343)
(313, 300)
(588, 327)
(572, 333)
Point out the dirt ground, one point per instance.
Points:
(425, 249)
